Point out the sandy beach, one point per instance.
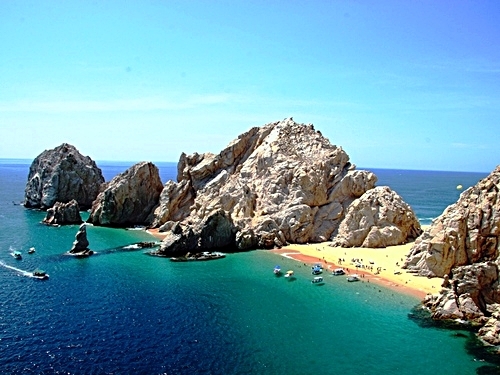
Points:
(382, 266)
(156, 232)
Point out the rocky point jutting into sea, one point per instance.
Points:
(462, 245)
(284, 183)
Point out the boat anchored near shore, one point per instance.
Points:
(206, 255)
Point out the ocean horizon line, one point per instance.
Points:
(4, 160)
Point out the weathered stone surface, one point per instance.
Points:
(81, 243)
(129, 198)
(490, 332)
(463, 244)
(280, 183)
(61, 175)
(466, 233)
(63, 213)
(216, 231)
(378, 218)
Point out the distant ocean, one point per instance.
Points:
(124, 312)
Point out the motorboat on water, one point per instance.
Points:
(40, 274)
(31, 250)
(17, 254)
(338, 272)
(277, 270)
(317, 270)
(317, 280)
(289, 273)
(352, 278)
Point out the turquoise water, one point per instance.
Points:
(124, 312)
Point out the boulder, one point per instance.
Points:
(280, 183)
(129, 198)
(378, 218)
(490, 332)
(61, 175)
(63, 213)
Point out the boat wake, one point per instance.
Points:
(19, 271)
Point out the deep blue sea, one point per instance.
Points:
(124, 312)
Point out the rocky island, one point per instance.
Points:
(276, 184)
(61, 175)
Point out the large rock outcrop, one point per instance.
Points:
(129, 198)
(63, 214)
(61, 175)
(277, 184)
(379, 218)
(462, 245)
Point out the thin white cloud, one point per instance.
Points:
(137, 104)
(461, 145)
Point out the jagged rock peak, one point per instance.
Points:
(63, 213)
(462, 245)
(61, 175)
(379, 218)
(279, 183)
(129, 198)
(81, 243)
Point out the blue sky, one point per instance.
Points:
(397, 84)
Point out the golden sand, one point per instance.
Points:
(382, 266)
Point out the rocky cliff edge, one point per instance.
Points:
(462, 245)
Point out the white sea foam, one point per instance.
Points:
(19, 271)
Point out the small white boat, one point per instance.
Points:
(277, 270)
(338, 272)
(31, 250)
(289, 273)
(352, 278)
(317, 280)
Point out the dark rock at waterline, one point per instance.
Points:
(63, 214)
(81, 243)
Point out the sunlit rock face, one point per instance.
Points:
(379, 218)
(129, 198)
(462, 245)
(276, 184)
(61, 175)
